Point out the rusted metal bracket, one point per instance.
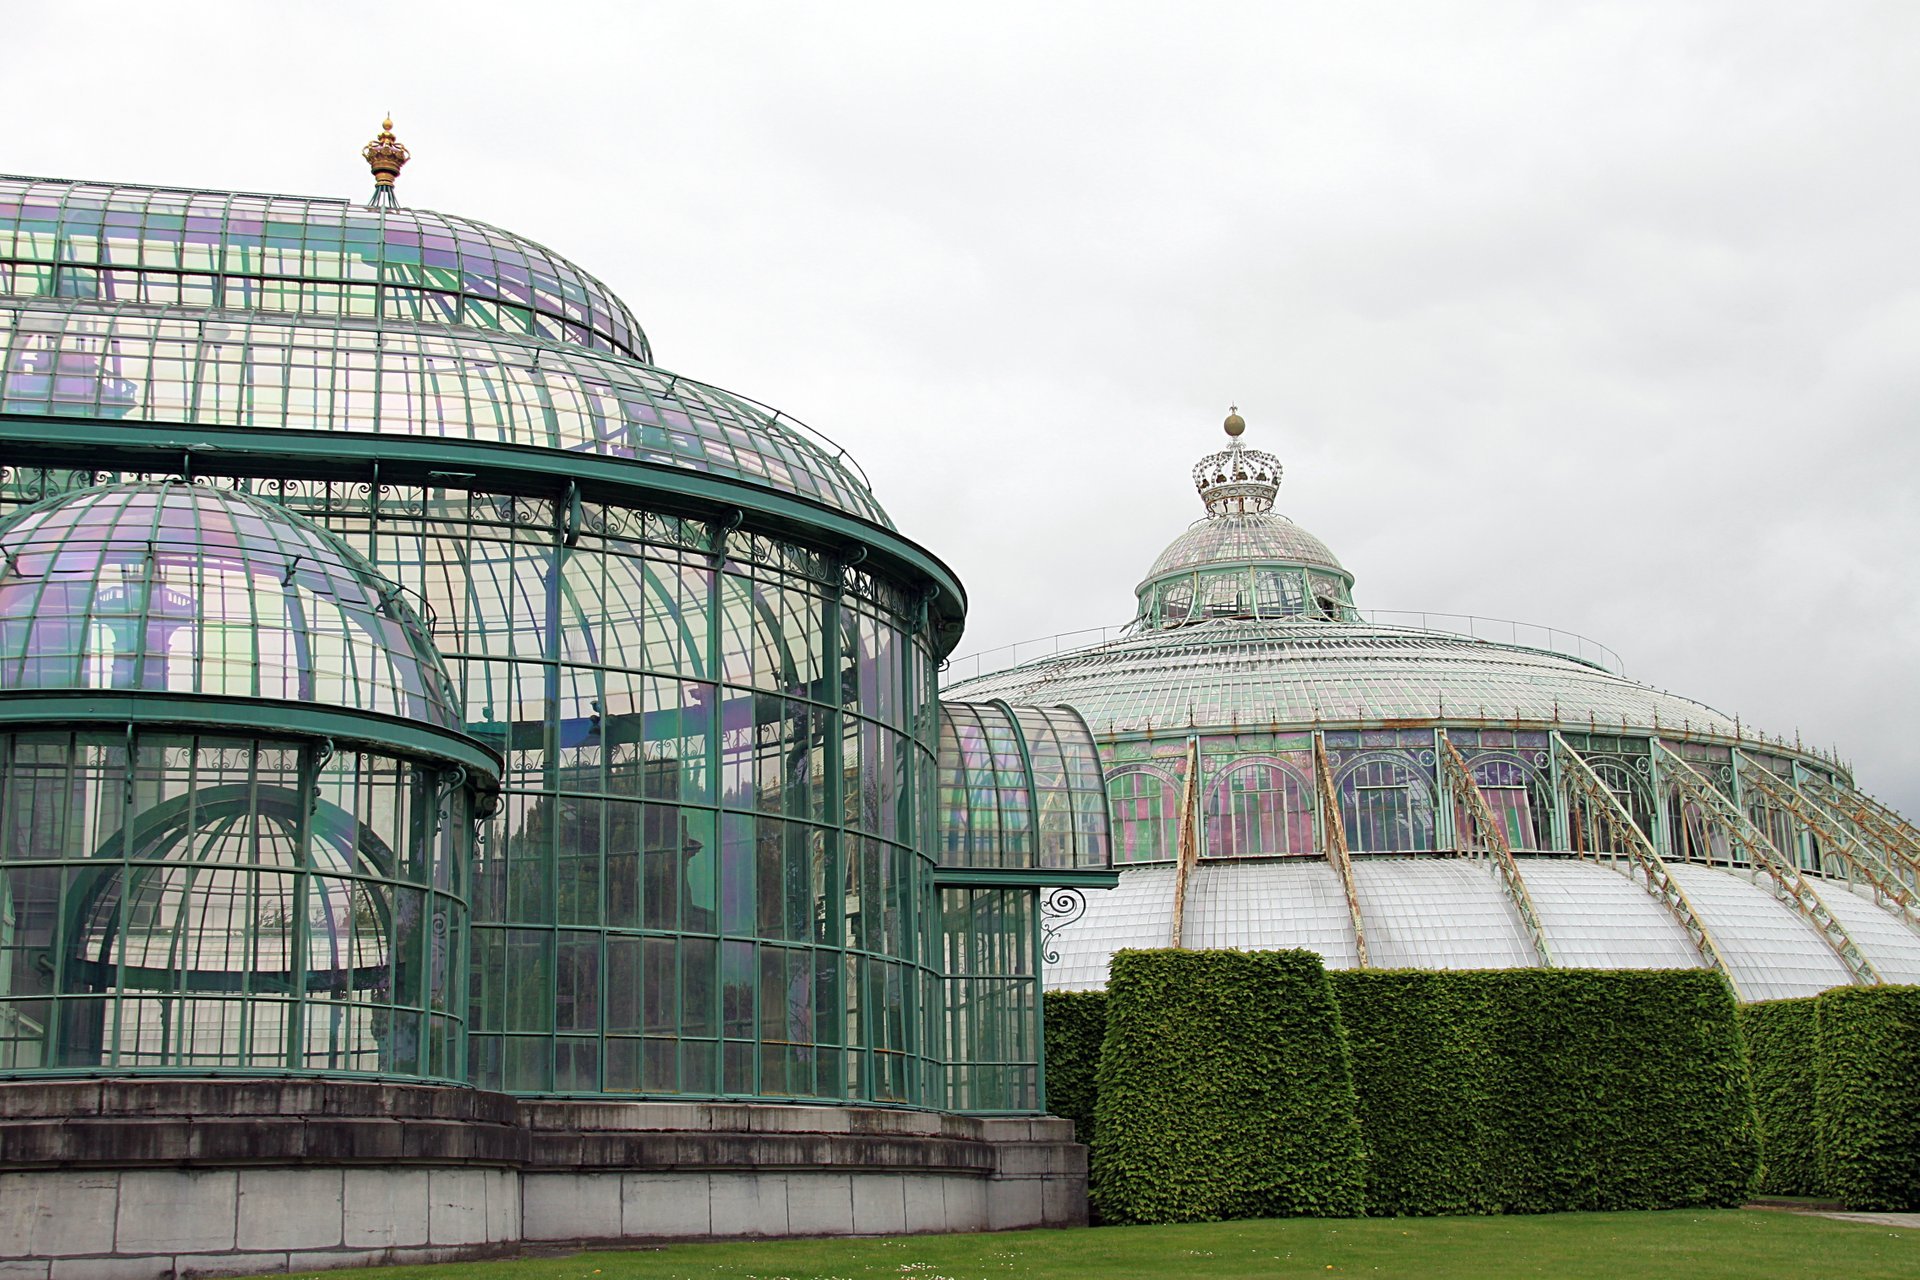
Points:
(1789, 884)
(1492, 841)
(1336, 842)
(1187, 844)
(1861, 860)
(1583, 783)
(1893, 833)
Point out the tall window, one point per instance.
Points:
(1143, 802)
(1260, 808)
(1387, 805)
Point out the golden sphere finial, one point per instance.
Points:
(1235, 424)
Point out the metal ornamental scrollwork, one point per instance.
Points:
(1058, 909)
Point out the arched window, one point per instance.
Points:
(1279, 592)
(1144, 801)
(1259, 808)
(1176, 601)
(1625, 779)
(1386, 802)
(1517, 792)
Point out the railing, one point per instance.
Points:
(1501, 630)
(1505, 631)
(988, 661)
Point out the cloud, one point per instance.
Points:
(1598, 316)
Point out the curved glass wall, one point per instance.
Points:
(401, 378)
(1020, 787)
(330, 259)
(219, 903)
(704, 875)
(179, 588)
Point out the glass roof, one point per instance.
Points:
(316, 257)
(1258, 538)
(1445, 913)
(397, 377)
(1020, 787)
(1238, 673)
(180, 588)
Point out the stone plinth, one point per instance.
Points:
(156, 1178)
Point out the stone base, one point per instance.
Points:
(152, 1179)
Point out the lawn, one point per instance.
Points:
(1697, 1245)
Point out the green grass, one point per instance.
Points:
(1697, 1245)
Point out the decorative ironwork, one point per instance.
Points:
(1888, 829)
(386, 157)
(1493, 842)
(1237, 480)
(1187, 844)
(1789, 884)
(1336, 844)
(1583, 784)
(1858, 858)
(1058, 909)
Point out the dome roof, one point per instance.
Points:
(1234, 672)
(232, 251)
(1256, 538)
(179, 588)
(243, 370)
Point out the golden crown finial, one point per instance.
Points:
(385, 156)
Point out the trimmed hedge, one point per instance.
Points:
(1076, 1022)
(1224, 1090)
(1867, 1099)
(1418, 1044)
(1781, 1037)
(1548, 1090)
(1617, 1090)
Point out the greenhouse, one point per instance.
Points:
(404, 681)
(1401, 790)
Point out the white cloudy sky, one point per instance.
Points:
(1603, 316)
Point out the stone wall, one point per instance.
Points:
(163, 1178)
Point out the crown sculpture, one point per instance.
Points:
(1237, 481)
(385, 156)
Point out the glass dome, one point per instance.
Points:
(182, 588)
(1243, 560)
(230, 251)
(392, 377)
(1409, 797)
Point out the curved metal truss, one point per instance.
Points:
(1789, 884)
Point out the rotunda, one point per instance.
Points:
(1286, 770)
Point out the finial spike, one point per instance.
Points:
(385, 156)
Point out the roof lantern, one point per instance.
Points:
(385, 156)
(1237, 480)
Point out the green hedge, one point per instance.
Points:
(1617, 1090)
(1076, 1022)
(1780, 1037)
(1546, 1090)
(1867, 1098)
(1224, 1090)
(1418, 1045)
